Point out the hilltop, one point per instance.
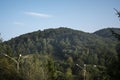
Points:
(62, 42)
(61, 53)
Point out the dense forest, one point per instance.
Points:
(60, 54)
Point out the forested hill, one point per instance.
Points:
(62, 42)
(107, 33)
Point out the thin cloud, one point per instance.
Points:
(38, 14)
(18, 23)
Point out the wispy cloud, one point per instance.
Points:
(38, 14)
(18, 23)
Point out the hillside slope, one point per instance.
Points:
(107, 33)
(62, 43)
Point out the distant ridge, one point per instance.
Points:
(106, 33)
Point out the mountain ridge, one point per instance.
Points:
(62, 42)
(107, 32)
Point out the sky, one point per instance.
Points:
(18, 17)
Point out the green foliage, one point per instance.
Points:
(7, 66)
(51, 69)
(70, 61)
(113, 69)
(68, 74)
(108, 33)
(52, 54)
(64, 42)
(8, 70)
(32, 68)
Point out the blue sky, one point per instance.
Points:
(22, 16)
